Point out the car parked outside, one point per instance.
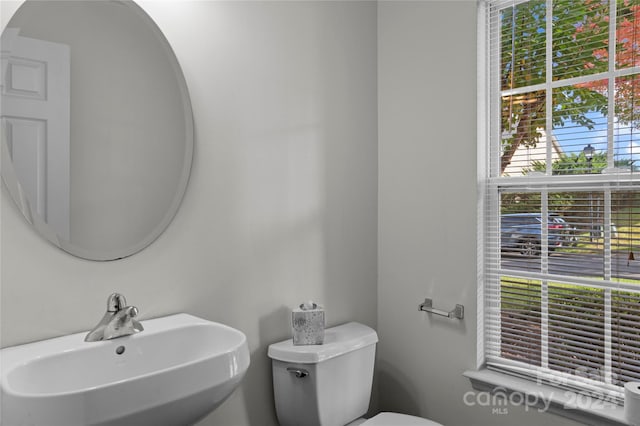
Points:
(575, 229)
(569, 231)
(521, 233)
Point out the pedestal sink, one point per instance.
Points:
(175, 372)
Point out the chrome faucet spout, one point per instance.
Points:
(118, 321)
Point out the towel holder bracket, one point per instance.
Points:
(427, 306)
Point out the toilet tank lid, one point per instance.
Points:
(337, 341)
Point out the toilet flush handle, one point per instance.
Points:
(299, 372)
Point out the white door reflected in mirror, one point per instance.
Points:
(36, 123)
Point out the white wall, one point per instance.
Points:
(427, 212)
(281, 206)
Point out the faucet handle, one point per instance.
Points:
(116, 302)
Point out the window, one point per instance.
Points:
(560, 192)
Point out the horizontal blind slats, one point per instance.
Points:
(564, 290)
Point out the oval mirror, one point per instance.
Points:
(97, 128)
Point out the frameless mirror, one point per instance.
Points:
(97, 128)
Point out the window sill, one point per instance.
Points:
(540, 397)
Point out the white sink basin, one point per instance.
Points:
(175, 372)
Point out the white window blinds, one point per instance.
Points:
(561, 194)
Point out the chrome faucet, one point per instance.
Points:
(118, 321)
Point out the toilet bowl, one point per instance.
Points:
(330, 384)
(396, 419)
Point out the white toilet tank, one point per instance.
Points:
(327, 384)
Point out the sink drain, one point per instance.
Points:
(120, 350)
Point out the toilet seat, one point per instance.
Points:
(396, 419)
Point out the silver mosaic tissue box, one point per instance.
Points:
(307, 323)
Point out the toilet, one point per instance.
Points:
(330, 384)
